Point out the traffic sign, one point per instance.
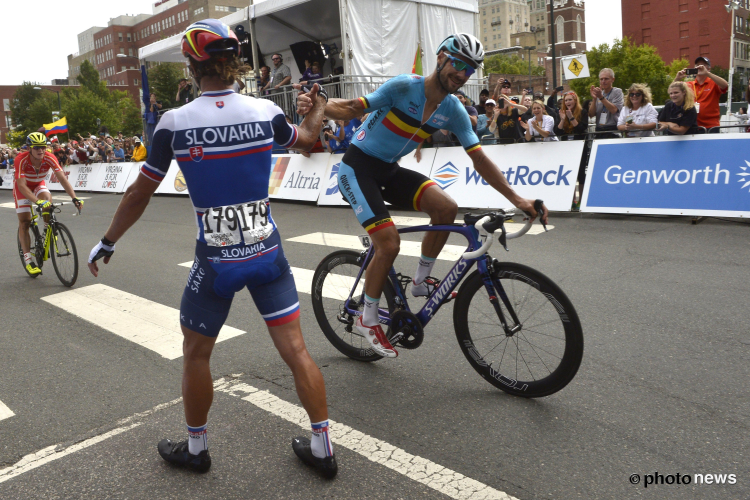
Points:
(575, 66)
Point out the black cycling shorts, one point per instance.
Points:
(366, 183)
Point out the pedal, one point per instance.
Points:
(396, 337)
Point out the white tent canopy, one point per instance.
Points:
(380, 36)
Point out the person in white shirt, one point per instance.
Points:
(743, 118)
(541, 126)
(638, 117)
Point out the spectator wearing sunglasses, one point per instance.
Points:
(280, 75)
(638, 117)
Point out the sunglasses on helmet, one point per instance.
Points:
(459, 65)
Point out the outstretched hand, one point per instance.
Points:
(306, 100)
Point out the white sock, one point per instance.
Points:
(320, 442)
(370, 316)
(424, 268)
(197, 439)
(27, 258)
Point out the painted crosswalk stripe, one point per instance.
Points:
(54, 199)
(146, 323)
(431, 474)
(511, 227)
(5, 412)
(408, 248)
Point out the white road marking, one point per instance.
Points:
(52, 453)
(431, 474)
(408, 248)
(511, 227)
(5, 412)
(148, 324)
(54, 198)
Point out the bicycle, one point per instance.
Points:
(56, 243)
(531, 358)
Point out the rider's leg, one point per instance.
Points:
(308, 381)
(197, 386)
(442, 209)
(24, 220)
(387, 245)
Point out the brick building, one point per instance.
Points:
(570, 27)
(499, 20)
(686, 29)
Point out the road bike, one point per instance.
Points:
(56, 243)
(515, 326)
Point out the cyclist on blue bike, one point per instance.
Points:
(403, 112)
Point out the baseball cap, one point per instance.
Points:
(136, 139)
(484, 92)
(701, 58)
(93, 137)
(460, 92)
(490, 101)
(515, 99)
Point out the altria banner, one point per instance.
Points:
(696, 175)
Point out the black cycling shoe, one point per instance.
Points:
(178, 454)
(327, 466)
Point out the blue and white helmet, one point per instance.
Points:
(465, 45)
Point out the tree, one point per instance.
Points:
(163, 80)
(510, 65)
(631, 64)
(738, 91)
(89, 80)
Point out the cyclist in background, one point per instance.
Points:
(29, 188)
(404, 111)
(222, 142)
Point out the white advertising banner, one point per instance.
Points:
(7, 177)
(329, 191)
(536, 170)
(82, 176)
(112, 177)
(71, 172)
(294, 177)
(174, 182)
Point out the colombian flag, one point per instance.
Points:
(58, 127)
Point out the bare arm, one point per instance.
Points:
(25, 191)
(309, 130)
(65, 183)
(719, 81)
(344, 109)
(285, 81)
(495, 178)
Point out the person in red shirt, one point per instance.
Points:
(29, 188)
(707, 88)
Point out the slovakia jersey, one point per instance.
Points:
(25, 169)
(222, 142)
(394, 127)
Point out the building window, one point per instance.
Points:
(683, 30)
(578, 28)
(645, 11)
(702, 4)
(198, 11)
(135, 81)
(683, 5)
(685, 53)
(646, 34)
(119, 37)
(704, 51)
(130, 51)
(560, 29)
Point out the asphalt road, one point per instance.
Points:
(663, 387)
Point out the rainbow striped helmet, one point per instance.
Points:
(207, 38)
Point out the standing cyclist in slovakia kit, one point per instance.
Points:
(223, 143)
(404, 111)
(29, 188)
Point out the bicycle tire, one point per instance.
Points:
(64, 254)
(34, 248)
(549, 323)
(328, 305)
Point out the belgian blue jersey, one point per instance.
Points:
(394, 127)
(222, 142)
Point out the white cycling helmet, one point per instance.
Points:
(464, 44)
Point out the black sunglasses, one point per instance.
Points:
(636, 94)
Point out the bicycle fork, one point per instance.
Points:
(494, 289)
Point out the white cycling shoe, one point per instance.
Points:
(377, 339)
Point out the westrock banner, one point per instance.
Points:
(698, 175)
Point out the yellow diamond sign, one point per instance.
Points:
(575, 66)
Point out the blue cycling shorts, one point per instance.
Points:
(217, 273)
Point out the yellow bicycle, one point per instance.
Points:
(56, 243)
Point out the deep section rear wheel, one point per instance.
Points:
(36, 248)
(540, 358)
(332, 282)
(62, 249)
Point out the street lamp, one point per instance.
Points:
(59, 106)
(530, 48)
(731, 7)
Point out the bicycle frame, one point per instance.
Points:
(440, 295)
(49, 231)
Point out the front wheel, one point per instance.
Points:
(333, 280)
(64, 255)
(544, 354)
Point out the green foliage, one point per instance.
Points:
(16, 138)
(510, 65)
(83, 109)
(631, 64)
(738, 91)
(89, 80)
(163, 80)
